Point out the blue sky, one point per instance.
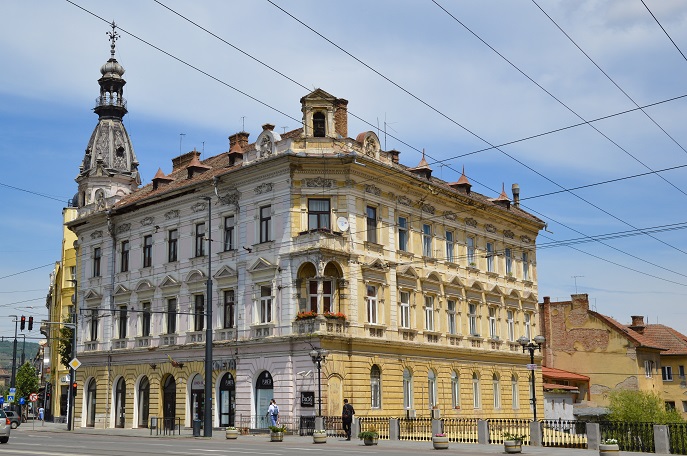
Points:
(51, 52)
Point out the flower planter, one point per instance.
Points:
(370, 440)
(609, 449)
(276, 436)
(319, 437)
(232, 434)
(440, 442)
(512, 446)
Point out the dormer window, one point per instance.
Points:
(318, 125)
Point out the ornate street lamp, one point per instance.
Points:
(318, 356)
(532, 346)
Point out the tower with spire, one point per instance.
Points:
(109, 170)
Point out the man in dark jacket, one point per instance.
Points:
(347, 417)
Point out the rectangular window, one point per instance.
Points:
(318, 214)
(229, 304)
(451, 312)
(200, 240)
(403, 234)
(371, 304)
(514, 393)
(525, 266)
(509, 262)
(511, 326)
(229, 233)
(145, 320)
(97, 255)
(684, 406)
(432, 390)
(405, 309)
(172, 245)
(122, 322)
(148, 251)
(681, 371)
(429, 313)
(72, 272)
(371, 213)
(265, 224)
(470, 242)
(490, 257)
(312, 295)
(670, 405)
(475, 392)
(472, 319)
(449, 247)
(455, 391)
(265, 304)
(124, 266)
(667, 373)
(94, 324)
(198, 312)
(493, 333)
(496, 385)
(427, 240)
(171, 316)
(648, 369)
(528, 325)
(327, 296)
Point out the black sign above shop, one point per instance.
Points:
(307, 399)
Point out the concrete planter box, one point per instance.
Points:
(276, 436)
(609, 449)
(319, 437)
(440, 443)
(232, 434)
(512, 446)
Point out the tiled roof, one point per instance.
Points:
(665, 336)
(560, 374)
(639, 339)
(552, 386)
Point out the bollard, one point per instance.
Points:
(196, 428)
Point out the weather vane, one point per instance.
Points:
(113, 37)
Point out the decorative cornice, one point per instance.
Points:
(174, 213)
(525, 239)
(230, 198)
(508, 234)
(123, 228)
(263, 188)
(469, 221)
(319, 182)
(428, 208)
(371, 188)
(448, 215)
(404, 200)
(490, 228)
(147, 221)
(199, 207)
(96, 234)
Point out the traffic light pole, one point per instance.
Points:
(14, 354)
(72, 379)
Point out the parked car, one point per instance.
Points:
(13, 418)
(5, 427)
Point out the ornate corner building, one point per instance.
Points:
(417, 288)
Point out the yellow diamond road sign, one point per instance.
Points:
(74, 364)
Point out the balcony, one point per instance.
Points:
(332, 326)
(143, 341)
(195, 337)
(321, 239)
(168, 339)
(90, 346)
(262, 330)
(119, 344)
(225, 334)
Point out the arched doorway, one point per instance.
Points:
(169, 401)
(263, 393)
(197, 399)
(120, 403)
(90, 403)
(143, 402)
(227, 400)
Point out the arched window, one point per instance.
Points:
(376, 387)
(455, 390)
(143, 402)
(318, 125)
(496, 384)
(514, 392)
(475, 390)
(432, 388)
(407, 389)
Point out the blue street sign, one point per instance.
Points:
(22, 401)
(2, 400)
(10, 398)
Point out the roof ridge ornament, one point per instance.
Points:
(113, 37)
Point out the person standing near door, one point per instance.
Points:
(273, 412)
(347, 418)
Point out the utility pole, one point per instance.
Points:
(207, 425)
(14, 354)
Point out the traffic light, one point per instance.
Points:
(74, 389)
(22, 323)
(30, 323)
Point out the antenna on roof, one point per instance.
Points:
(181, 137)
(284, 129)
(243, 123)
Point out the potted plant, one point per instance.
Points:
(232, 433)
(319, 436)
(609, 447)
(512, 443)
(440, 441)
(306, 315)
(369, 437)
(277, 433)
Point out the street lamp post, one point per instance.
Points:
(71, 398)
(318, 356)
(207, 416)
(532, 346)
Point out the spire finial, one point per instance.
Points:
(113, 37)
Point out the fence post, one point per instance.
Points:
(483, 432)
(394, 429)
(355, 427)
(661, 439)
(593, 436)
(535, 433)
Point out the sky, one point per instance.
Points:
(555, 85)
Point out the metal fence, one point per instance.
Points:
(514, 426)
(564, 433)
(332, 424)
(262, 422)
(461, 430)
(378, 424)
(630, 436)
(417, 429)
(164, 425)
(677, 433)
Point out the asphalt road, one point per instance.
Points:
(53, 440)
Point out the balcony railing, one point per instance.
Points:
(110, 101)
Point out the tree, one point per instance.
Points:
(640, 406)
(65, 343)
(27, 381)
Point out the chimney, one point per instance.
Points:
(341, 117)
(160, 179)
(268, 126)
(181, 161)
(580, 301)
(516, 195)
(547, 299)
(240, 138)
(637, 324)
(394, 155)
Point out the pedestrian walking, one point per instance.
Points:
(41, 413)
(273, 412)
(347, 418)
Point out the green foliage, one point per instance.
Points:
(30, 350)
(65, 343)
(279, 428)
(27, 381)
(640, 407)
